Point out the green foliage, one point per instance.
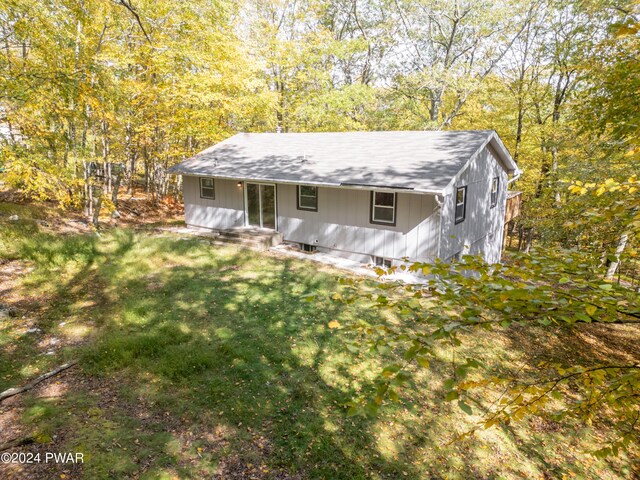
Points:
(552, 288)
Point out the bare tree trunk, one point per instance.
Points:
(105, 155)
(554, 172)
(529, 240)
(520, 237)
(116, 187)
(115, 191)
(613, 266)
(87, 189)
(130, 158)
(435, 102)
(97, 204)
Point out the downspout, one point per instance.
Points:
(439, 203)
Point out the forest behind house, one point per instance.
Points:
(98, 99)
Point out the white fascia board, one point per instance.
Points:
(495, 141)
(318, 184)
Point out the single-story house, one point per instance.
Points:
(376, 197)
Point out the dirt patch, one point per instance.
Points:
(10, 195)
(12, 412)
(18, 310)
(135, 209)
(10, 271)
(189, 443)
(12, 304)
(139, 209)
(234, 468)
(582, 343)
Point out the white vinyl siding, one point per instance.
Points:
(481, 232)
(225, 211)
(342, 223)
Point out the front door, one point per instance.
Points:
(261, 205)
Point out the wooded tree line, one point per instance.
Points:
(146, 84)
(94, 93)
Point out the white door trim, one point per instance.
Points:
(246, 202)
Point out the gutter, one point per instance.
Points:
(516, 176)
(351, 186)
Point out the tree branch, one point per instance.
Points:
(127, 4)
(15, 391)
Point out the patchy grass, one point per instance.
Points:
(199, 361)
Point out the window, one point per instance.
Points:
(382, 262)
(308, 248)
(307, 198)
(461, 203)
(383, 208)
(495, 186)
(206, 188)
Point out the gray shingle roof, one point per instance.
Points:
(424, 161)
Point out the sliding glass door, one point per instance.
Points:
(261, 205)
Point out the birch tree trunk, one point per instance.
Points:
(613, 266)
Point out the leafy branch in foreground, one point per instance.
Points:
(550, 289)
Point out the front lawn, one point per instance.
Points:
(197, 361)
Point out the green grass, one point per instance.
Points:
(198, 359)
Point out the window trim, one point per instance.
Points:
(494, 200)
(299, 205)
(213, 187)
(464, 205)
(372, 209)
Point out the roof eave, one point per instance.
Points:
(312, 183)
(507, 159)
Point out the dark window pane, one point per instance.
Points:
(308, 191)
(253, 203)
(307, 197)
(384, 199)
(494, 192)
(308, 202)
(383, 214)
(268, 206)
(461, 200)
(206, 188)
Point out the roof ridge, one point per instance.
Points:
(364, 132)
